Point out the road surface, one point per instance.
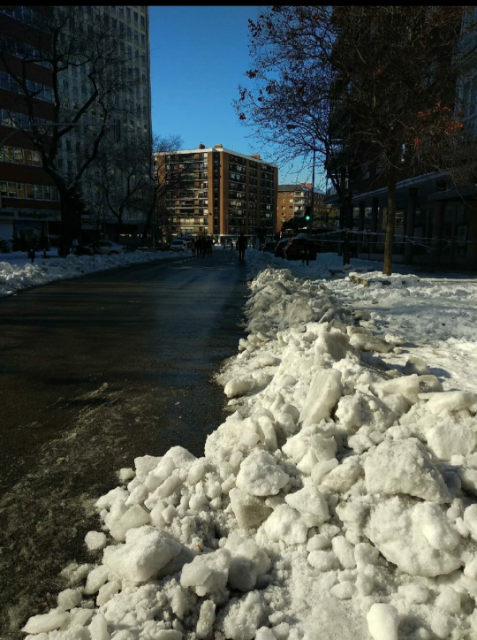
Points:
(95, 371)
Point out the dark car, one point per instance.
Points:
(280, 247)
(84, 250)
(297, 247)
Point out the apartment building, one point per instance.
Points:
(29, 202)
(218, 191)
(293, 200)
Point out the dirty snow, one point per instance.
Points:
(17, 272)
(338, 500)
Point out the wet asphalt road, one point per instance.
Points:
(95, 371)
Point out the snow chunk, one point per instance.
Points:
(161, 472)
(312, 505)
(383, 622)
(99, 628)
(44, 623)
(310, 440)
(206, 619)
(436, 527)
(470, 520)
(408, 386)
(250, 511)
(146, 551)
(248, 563)
(145, 464)
(451, 401)
(403, 466)
(342, 477)
(244, 617)
(126, 474)
(133, 518)
(207, 573)
(395, 528)
(323, 395)
(239, 387)
(365, 342)
(69, 598)
(95, 540)
(285, 524)
(259, 475)
(344, 551)
(449, 438)
(323, 560)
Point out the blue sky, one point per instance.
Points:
(199, 56)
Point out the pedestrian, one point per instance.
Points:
(44, 245)
(209, 246)
(31, 254)
(305, 255)
(241, 246)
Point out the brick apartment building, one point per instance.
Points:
(292, 201)
(29, 203)
(217, 191)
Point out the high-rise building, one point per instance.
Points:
(217, 191)
(29, 202)
(133, 114)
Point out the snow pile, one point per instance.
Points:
(14, 277)
(337, 501)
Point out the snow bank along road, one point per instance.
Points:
(337, 501)
(92, 371)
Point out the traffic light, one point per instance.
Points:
(308, 213)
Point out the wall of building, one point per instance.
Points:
(29, 199)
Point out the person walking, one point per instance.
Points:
(241, 246)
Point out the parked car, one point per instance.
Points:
(108, 248)
(279, 248)
(297, 247)
(102, 247)
(84, 250)
(178, 245)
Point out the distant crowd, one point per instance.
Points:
(202, 246)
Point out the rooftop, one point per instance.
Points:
(219, 148)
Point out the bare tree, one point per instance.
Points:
(362, 85)
(80, 37)
(156, 185)
(292, 90)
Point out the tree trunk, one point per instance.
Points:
(390, 226)
(67, 224)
